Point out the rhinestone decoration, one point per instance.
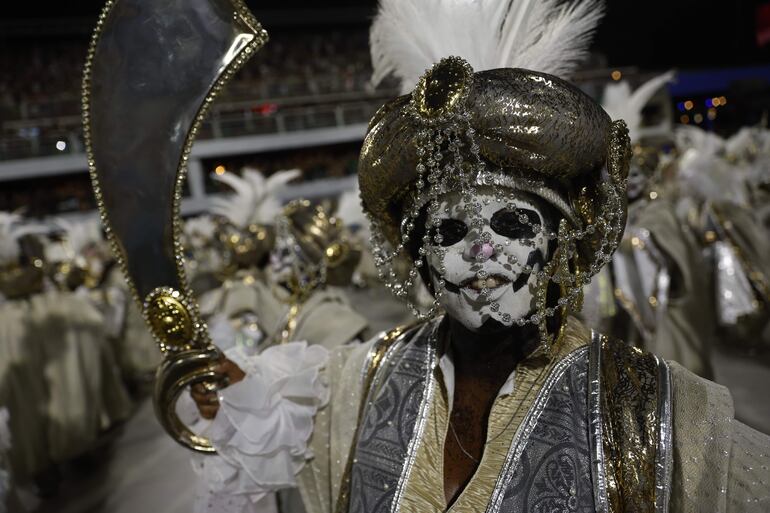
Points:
(167, 313)
(450, 160)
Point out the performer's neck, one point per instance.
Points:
(490, 352)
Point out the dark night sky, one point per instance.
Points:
(651, 34)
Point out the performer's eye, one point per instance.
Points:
(451, 231)
(515, 225)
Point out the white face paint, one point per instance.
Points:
(637, 182)
(282, 260)
(510, 246)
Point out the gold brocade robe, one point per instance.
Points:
(717, 463)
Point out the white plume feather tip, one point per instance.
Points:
(409, 36)
(255, 199)
(620, 103)
(12, 227)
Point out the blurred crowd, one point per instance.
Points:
(68, 373)
(75, 354)
(692, 269)
(43, 80)
(306, 80)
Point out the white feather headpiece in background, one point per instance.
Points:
(702, 170)
(743, 142)
(690, 137)
(255, 198)
(350, 211)
(409, 36)
(199, 230)
(12, 227)
(621, 103)
(80, 234)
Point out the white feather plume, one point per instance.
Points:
(255, 198)
(81, 233)
(350, 211)
(409, 36)
(12, 227)
(690, 137)
(743, 142)
(621, 103)
(199, 229)
(270, 206)
(703, 173)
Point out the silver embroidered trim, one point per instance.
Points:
(422, 417)
(524, 431)
(663, 458)
(595, 423)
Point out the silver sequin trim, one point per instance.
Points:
(422, 417)
(664, 455)
(525, 429)
(595, 423)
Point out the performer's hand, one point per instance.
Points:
(205, 394)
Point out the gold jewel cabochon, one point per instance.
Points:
(168, 315)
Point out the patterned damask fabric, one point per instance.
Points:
(551, 474)
(554, 472)
(389, 422)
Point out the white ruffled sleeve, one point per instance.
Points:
(5, 445)
(262, 429)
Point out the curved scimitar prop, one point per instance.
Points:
(153, 69)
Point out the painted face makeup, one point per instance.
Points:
(637, 182)
(282, 261)
(489, 270)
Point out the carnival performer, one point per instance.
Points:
(715, 191)
(661, 287)
(284, 267)
(298, 298)
(505, 188)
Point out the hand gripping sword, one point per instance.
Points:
(153, 69)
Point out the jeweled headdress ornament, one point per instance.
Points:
(477, 119)
(322, 248)
(246, 229)
(21, 256)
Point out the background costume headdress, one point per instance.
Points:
(247, 234)
(321, 247)
(620, 102)
(255, 200)
(21, 273)
(519, 129)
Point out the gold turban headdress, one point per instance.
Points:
(321, 244)
(506, 127)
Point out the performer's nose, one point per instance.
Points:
(482, 252)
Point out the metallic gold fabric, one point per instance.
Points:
(509, 128)
(324, 240)
(630, 426)
(425, 489)
(525, 122)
